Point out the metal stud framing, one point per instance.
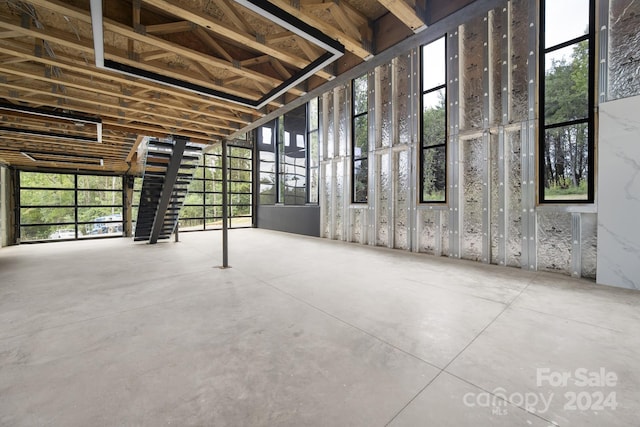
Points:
(414, 153)
(453, 163)
(502, 199)
(487, 87)
(576, 244)
(603, 51)
(528, 150)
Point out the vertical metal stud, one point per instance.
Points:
(503, 195)
(603, 51)
(505, 61)
(529, 142)
(374, 135)
(225, 206)
(453, 172)
(437, 250)
(414, 154)
(347, 220)
(524, 204)
(486, 198)
(486, 72)
(576, 244)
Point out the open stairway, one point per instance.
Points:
(169, 167)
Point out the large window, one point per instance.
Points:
(266, 143)
(294, 157)
(566, 93)
(360, 139)
(57, 206)
(433, 153)
(289, 157)
(203, 205)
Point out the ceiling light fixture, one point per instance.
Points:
(333, 48)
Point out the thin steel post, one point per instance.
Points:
(225, 207)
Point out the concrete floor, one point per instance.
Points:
(303, 331)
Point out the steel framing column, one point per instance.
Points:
(179, 145)
(225, 207)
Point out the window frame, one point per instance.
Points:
(76, 224)
(423, 148)
(590, 37)
(365, 156)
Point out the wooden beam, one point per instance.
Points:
(255, 61)
(233, 16)
(56, 36)
(351, 44)
(405, 13)
(134, 148)
(277, 65)
(100, 107)
(154, 54)
(212, 43)
(344, 22)
(105, 89)
(169, 28)
(222, 29)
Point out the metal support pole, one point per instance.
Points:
(225, 207)
(176, 233)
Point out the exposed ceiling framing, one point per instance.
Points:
(229, 47)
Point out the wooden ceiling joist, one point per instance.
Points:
(405, 13)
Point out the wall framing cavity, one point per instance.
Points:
(491, 214)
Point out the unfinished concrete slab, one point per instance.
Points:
(304, 331)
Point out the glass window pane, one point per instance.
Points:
(566, 92)
(313, 185)
(46, 180)
(433, 64)
(47, 197)
(99, 215)
(93, 197)
(192, 211)
(240, 152)
(360, 136)
(47, 232)
(434, 174)
(213, 212)
(213, 199)
(434, 129)
(95, 182)
(360, 181)
(191, 224)
(267, 189)
(241, 199)
(566, 162)
(241, 222)
(194, 199)
(360, 89)
(46, 215)
(244, 164)
(565, 20)
(101, 230)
